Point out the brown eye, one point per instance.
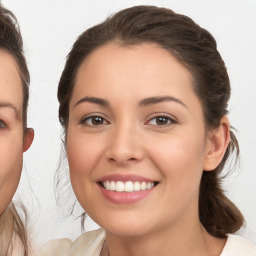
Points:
(161, 120)
(97, 120)
(94, 121)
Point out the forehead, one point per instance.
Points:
(10, 81)
(145, 66)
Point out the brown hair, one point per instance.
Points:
(196, 49)
(11, 42)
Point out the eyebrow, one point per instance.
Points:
(143, 103)
(160, 99)
(9, 105)
(94, 100)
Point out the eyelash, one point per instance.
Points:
(92, 120)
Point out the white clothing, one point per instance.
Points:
(238, 246)
(91, 243)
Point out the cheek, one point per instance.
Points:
(180, 159)
(83, 153)
(10, 170)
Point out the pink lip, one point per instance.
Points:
(124, 197)
(122, 177)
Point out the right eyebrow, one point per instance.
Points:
(9, 105)
(95, 100)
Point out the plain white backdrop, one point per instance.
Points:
(49, 29)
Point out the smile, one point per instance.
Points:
(128, 186)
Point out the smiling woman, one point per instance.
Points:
(15, 137)
(143, 102)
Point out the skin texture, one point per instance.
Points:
(129, 138)
(13, 140)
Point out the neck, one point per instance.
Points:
(184, 240)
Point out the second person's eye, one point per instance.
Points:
(2, 124)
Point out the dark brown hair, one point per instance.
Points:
(196, 49)
(11, 42)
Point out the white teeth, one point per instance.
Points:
(136, 186)
(112, 186)
(143, 185)
(119, 186)
(127, 186)
(107, 184)
(149, 185)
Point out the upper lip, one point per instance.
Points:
(124, 178)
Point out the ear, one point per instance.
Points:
(218, 142)
(28, 139)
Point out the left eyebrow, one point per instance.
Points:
(160, 99)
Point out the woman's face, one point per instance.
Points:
(12, 139)
(136, 140)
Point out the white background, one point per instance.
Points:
(50, 27)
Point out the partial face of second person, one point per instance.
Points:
(13, 139)
(135, 122)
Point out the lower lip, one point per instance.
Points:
(125, 197)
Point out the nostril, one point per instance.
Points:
(122, 155)
(122, 161)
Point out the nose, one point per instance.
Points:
(125, 145)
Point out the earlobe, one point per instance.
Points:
(218, 142)
(28, 139)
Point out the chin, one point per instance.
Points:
(126, 227)
(127, 232)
